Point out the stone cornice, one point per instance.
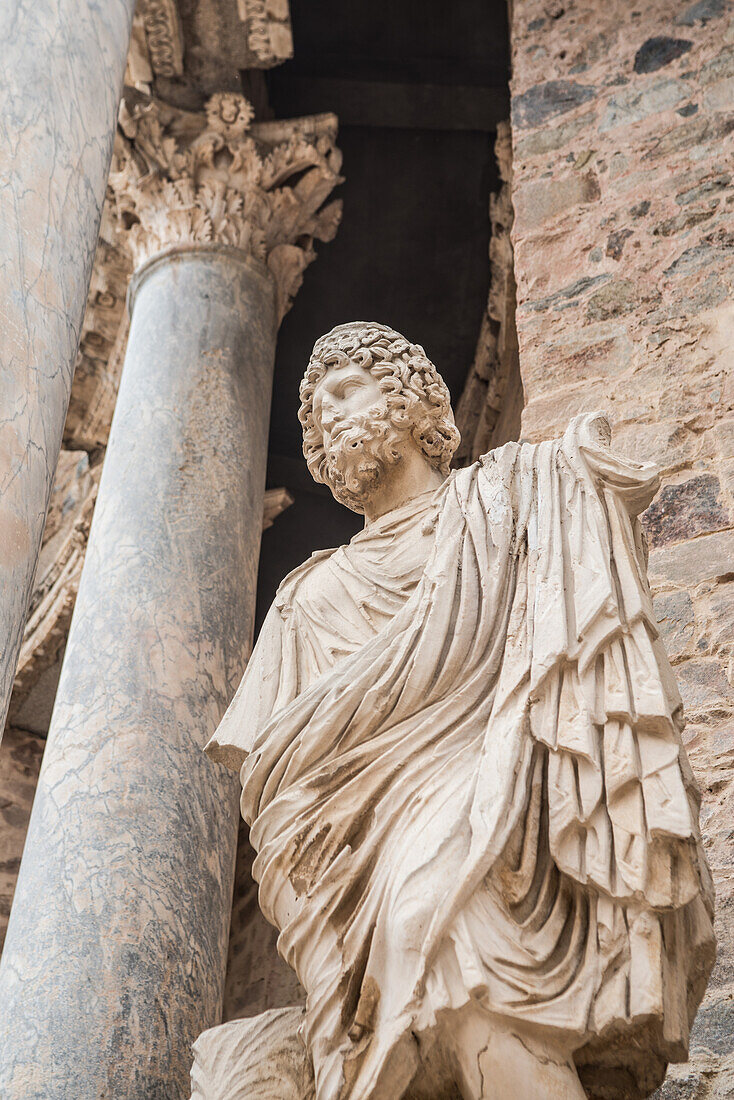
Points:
(184, 178)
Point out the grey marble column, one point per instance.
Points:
(116, 949)
(62, 69)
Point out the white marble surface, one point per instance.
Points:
(260, 1058)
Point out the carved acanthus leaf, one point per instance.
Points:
(183, 178)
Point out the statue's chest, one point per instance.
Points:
(355, 592)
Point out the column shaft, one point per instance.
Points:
(117, 944)
(63, 63)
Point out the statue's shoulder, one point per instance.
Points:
(300, 574)
(496, 463)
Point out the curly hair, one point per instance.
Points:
(417, 397)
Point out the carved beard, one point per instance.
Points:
(357, 460)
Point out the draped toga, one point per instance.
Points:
(460, 750)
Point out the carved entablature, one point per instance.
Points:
(181, 178)
(269, 37)
(59, 571)
(164, 36)
(102, 343)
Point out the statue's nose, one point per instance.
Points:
(329, 415)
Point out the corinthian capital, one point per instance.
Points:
(180, 178)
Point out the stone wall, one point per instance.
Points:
(623, 143)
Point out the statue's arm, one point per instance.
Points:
(266, 678)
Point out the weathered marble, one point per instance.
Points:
(254, 968)
(63, 62)
(220, 217)
(459, 741)
(188, 178)
(131, 845)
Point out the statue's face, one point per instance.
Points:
(360, 440)
(344, 392)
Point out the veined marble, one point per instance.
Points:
(63, 62)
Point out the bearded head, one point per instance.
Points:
(353, 451)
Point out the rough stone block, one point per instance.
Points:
(710, 747)
(714, 1027)
(701, 12)
(704, 686)
(595, 352)
(719, 67)
(633, 105)
(689, 563)
(682, 1084)
(723, 434)
(687, 508)
(674, 613)
(723, 975)
(714, 611)
(549, 138)
(553, 198)
(548, 100)
(613, 300)
(651, 255)
(668, 443)
(659, 51)
(719, 96)
(707, 189)
(723, 1087)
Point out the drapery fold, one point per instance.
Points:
(459, 741)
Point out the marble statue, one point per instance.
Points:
(459, 741)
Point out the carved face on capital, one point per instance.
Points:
(229, 114)
(368, 396)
